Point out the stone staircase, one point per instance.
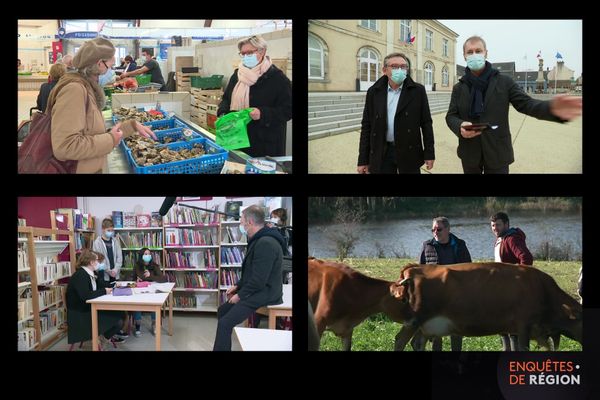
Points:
(332, 113)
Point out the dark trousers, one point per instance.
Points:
(229, 315)
(113, 319)
(390, 165)
(509, 342)
(482, 168)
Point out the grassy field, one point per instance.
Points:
(377, 332)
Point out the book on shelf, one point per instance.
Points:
(26, 338)
(21, 222)
(117, 218)
(143, 221)
(22, 260)
(156, 220)
(129, 220)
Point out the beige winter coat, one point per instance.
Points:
(78, 131)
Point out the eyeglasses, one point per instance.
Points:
(104, 62)
(404, 67)
(437, 230)
(248, 53)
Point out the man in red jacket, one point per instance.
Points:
(510, 248)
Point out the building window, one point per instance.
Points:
(405, 30)
(316, 58)
(369, 68)
(445, 77)
(119, 54)
(369, 24)
(428, 74)
(445, 48)
(428, 40)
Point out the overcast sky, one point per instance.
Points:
(511, 40)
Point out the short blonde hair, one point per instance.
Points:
(56, 71)
(255, 40)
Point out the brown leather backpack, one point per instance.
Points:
(36, 155)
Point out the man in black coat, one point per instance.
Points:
(483, 95)
(270, 96)
(261, 283)
(396, 134)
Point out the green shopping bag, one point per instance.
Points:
(231, 129)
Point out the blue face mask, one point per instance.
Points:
(147, 258)
(105, 78)
(100, 267)
(475, 62)
(243, 230)
(108, 234)
(250, 60)
(398, 75)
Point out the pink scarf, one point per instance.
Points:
(240, 97)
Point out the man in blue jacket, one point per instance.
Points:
(261, 283)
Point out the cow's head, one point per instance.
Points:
(399, 289)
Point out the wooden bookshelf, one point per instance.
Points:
(78, 233)
(193, 261)
(33, 248)
(232, 244)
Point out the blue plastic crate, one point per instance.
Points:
(176, 134)
(210, 163)
(169, 123)
(118, 118)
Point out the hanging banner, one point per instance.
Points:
(57, 51)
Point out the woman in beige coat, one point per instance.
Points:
(78, 131)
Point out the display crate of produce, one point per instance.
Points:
(210, 82)
(168, 123)
(117, 118)
(210, 163)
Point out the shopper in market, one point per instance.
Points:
(260, 284)
(56, 71)
(146, 269)
(150, 67)
(84, 286)
(78, 131)
(67, 60)
(259, 84)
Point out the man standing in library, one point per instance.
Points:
(261, 282)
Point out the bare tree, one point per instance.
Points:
(348, 215)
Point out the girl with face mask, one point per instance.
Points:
(146, 269)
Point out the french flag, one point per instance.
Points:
(409, 38)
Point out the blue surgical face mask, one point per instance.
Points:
(100, 267)
(147, 258)
(398, 75)
(475, 62)
(250, 60)
(109, 234)
(243, 230)
(107, 77)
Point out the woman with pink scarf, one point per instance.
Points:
(259, 84)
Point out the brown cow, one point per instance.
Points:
(342, 298)
(480, 299)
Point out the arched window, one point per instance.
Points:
(429, 69)
(316, 58)
(369, 67)
(445, 77)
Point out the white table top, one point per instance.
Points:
(287, 299)
(143, 298)
(254, 339)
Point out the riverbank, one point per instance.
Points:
(322, 210)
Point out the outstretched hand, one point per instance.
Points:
(566, 107)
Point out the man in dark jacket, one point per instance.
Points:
(261, 283)
(56, 71)
(483, 95)
(510, 248)
(395, 118)
(269, 94)
(443, 249)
